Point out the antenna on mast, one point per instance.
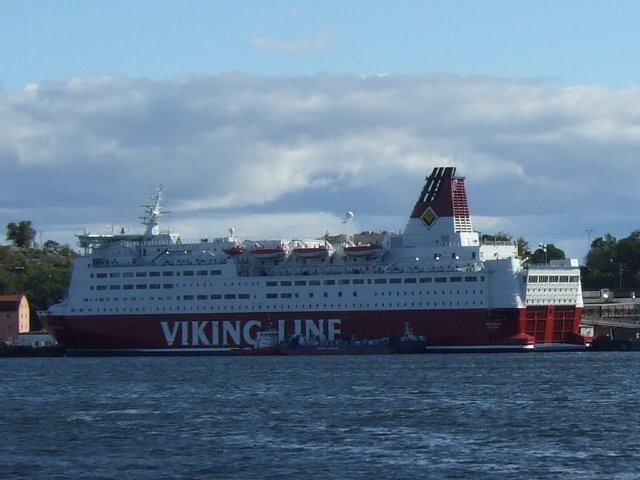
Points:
(153, 212)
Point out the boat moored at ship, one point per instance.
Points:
(150, 293)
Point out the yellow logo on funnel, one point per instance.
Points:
(429, 217)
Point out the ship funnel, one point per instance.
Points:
(441, 214)
(443, 197)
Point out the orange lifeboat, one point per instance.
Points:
(363, 250)
(237, 249)
(266, 251)
(313, 251)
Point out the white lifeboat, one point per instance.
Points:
(363, 250)
(278, 251)
(318, 250)
(234, 246)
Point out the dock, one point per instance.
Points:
(612, 318)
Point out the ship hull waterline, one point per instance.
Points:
(446, 331)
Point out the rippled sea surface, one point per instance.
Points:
(544, 415)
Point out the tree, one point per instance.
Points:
(51, 246)
(523, 247)
(628, 259)
(21, 234)
(600, 262)
(546, 253)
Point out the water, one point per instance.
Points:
(566, 415)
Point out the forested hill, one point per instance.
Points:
(40, 273)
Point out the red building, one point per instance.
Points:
(14, 317)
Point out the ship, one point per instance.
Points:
(151, 293)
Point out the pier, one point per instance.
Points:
(612, 315)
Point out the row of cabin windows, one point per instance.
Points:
(286, 283)
(278, 307)
(246, 296)
(552, 278)
(166, 273)
(377, 281)
(157, 286)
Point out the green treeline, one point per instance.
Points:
(612, 263)
(40, 271)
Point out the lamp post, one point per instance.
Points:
(620, 270)
(620, 274)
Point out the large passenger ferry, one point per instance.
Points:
(150, 293)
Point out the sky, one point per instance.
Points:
(277, 117)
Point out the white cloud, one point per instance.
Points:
(320, 44)
(89, 150)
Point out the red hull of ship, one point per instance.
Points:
(208, 332)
